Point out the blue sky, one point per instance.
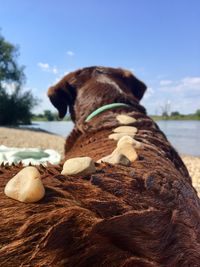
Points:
(158, 40)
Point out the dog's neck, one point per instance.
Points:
(106, 118)
(96, 96)
(104, 108)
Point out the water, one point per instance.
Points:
(62, 128)
(183, 135)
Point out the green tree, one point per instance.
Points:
(198, 112)
(175, 113)
(15, 105)
(49, 115)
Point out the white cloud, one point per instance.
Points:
(70, 53)
(186, 84)
(191, 82)
(46, 67)
(181, 95)
(43, 66)
(165, 82)
(10, 87)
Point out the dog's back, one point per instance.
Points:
(144, 214)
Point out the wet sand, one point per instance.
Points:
(15, 137)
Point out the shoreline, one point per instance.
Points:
(35, 137)
(26, 137)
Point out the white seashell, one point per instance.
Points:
(128, 150)
(125, 139)
(128, 139)
(26, 186)
(117, 136)
(78, 166)
(125, 119)
(124, 153)
(125, 129)
(115, 158)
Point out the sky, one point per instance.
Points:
(159, 41)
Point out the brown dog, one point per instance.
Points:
(144, 214)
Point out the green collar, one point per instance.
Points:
(104, 108)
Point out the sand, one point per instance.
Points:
(15, 137)
(193, 166)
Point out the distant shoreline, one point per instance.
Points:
(176, 118)
(154, 117)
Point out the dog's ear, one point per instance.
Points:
(137, 87)
(62, 96)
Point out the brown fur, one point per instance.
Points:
(144, 215)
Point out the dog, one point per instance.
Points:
(141, 213)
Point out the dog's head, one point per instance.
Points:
(89, 88)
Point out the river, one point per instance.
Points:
(183, 135)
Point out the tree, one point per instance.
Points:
(15, 105)
(175, 113)
(166, 109)
(49, 115)
(198, 112)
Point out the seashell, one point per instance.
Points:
(128, 139)
(115, 158)
(125, 129)
(26, 186)
(125, 119)
(117, 136)
(124, 153)
(78, 166)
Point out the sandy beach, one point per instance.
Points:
(15, 137)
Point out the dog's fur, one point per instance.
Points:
(147, 214)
